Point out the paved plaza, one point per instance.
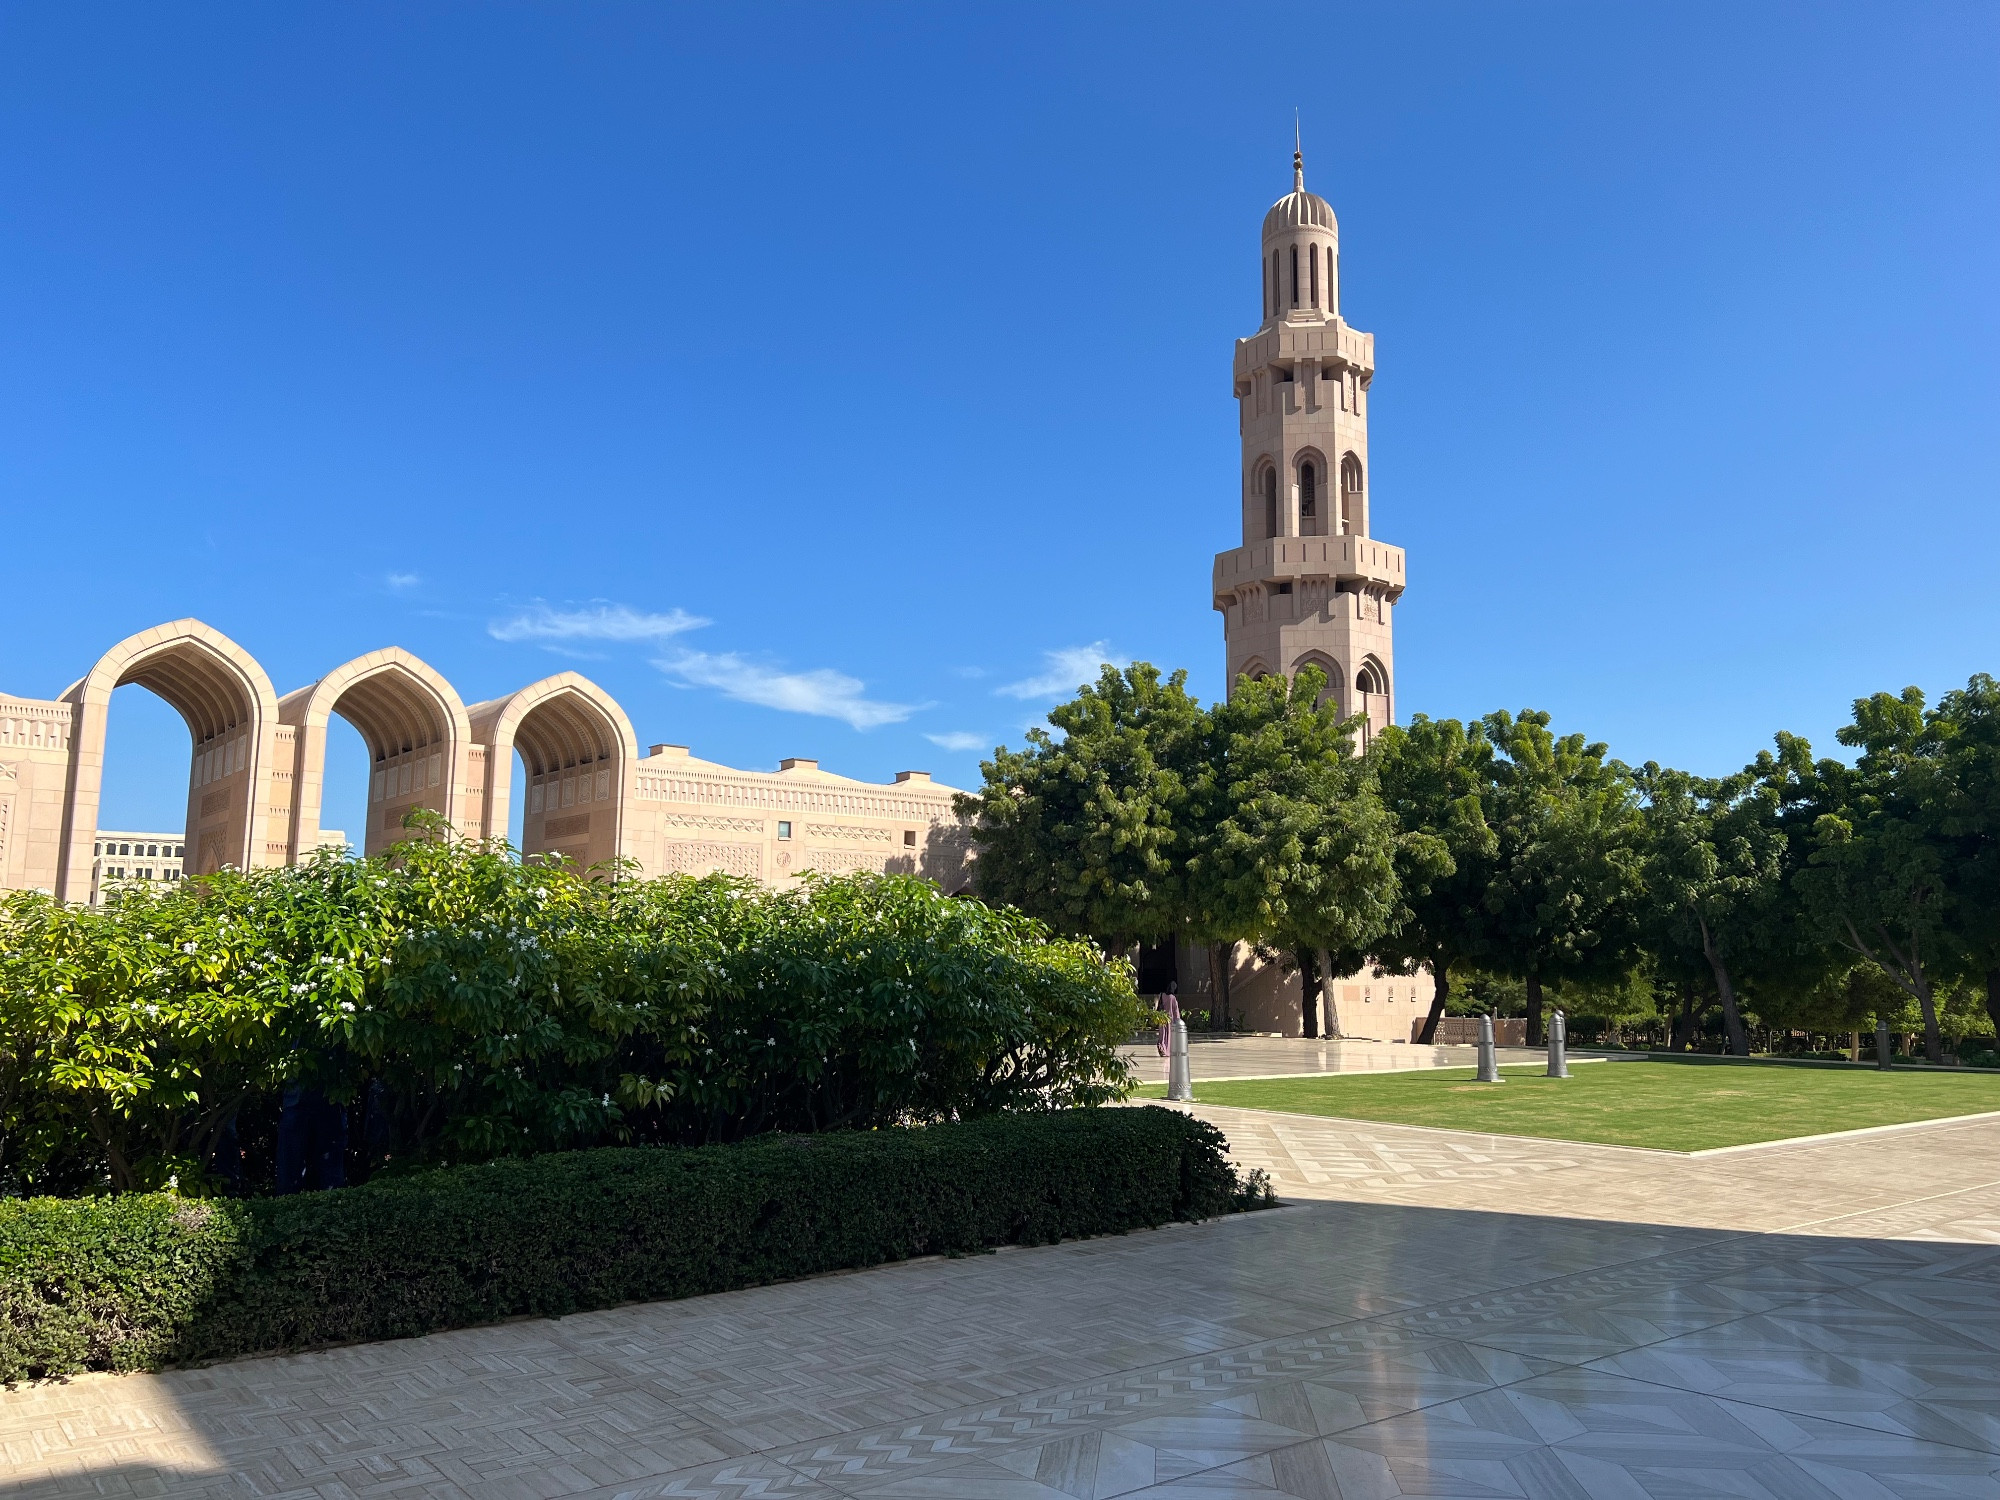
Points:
(1435, 1313)
(1295, 1057)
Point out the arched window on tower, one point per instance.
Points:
(1277, 287)
(1351, 493)
(1310, 523)
(1312, 261)
(1270, 295)
(1295, 275)
(1270, 502)
(1371, 697)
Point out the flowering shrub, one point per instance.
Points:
(460, 1004)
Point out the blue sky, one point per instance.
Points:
(837, 381)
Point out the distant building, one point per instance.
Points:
(123, 858)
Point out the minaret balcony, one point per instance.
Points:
(1293, 559)
(1328, 340)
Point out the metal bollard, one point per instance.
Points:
(1180, 1088)
(1489, 1065)
(1882, 1046)
(1558, 1047)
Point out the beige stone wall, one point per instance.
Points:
(694, 815)
(257, 772)
(1364, 1005)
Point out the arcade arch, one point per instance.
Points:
(417, 735)
(230, 709)
(577, 752)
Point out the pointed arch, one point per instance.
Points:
(578, 749)
(418, 736)
(1353, 495)
(1336, 678)
(1310, 476)
(1372, 695)
(231, 710)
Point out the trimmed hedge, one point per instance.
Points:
(146, 1280)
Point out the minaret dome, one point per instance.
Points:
(1301, 258)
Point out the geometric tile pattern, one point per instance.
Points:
(1434, 1315)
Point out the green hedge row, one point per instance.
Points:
(145, 1280)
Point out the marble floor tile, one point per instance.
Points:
(1435, 1314)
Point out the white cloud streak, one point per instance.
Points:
(960, 740)
(603, 622)
(403, 580)
(823, 692)
(1069, 668)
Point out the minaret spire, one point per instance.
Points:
(1298, 157)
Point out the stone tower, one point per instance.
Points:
(1309, 584)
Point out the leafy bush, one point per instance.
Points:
(142, 1280)
(464, 1005)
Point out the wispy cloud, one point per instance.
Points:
(960, 740)
(600, 622)
(822, 692)
(402, 581)
(1068, 669)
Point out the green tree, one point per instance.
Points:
(1876, 881)
(1714, 871)
(1089, 832)
(1562, 898)
(1296, 850)
(1435, 778)
(1962, 742)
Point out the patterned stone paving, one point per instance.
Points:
(1437, 1314)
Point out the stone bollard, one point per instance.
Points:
(1882, 1046)
(1180, 1088)
(1558, 1047)
(1489, 1065)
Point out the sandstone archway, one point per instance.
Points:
(578, 751)
(231, 712)
(418, 737)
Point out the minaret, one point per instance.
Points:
(1308, 584)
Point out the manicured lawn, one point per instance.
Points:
(1668, 1106)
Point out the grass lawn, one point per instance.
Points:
(1668, 1106)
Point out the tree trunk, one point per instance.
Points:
(1680, 1024)
(1732, 1018)
(1329, 1017)
(1441, 973)
(1993, 1002)
(1308, 989)
(1218, 983)
(1535, 1037)
(1933, 1038)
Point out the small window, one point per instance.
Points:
(124, 848)
(100, 846)
(1276, 292)
(1308, 492)
(152, 851)
(1312, 259)
(784, 829)
(1270, 502)
(909, 838)
(180, 851)
(1284, 588)
(1295, 275)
